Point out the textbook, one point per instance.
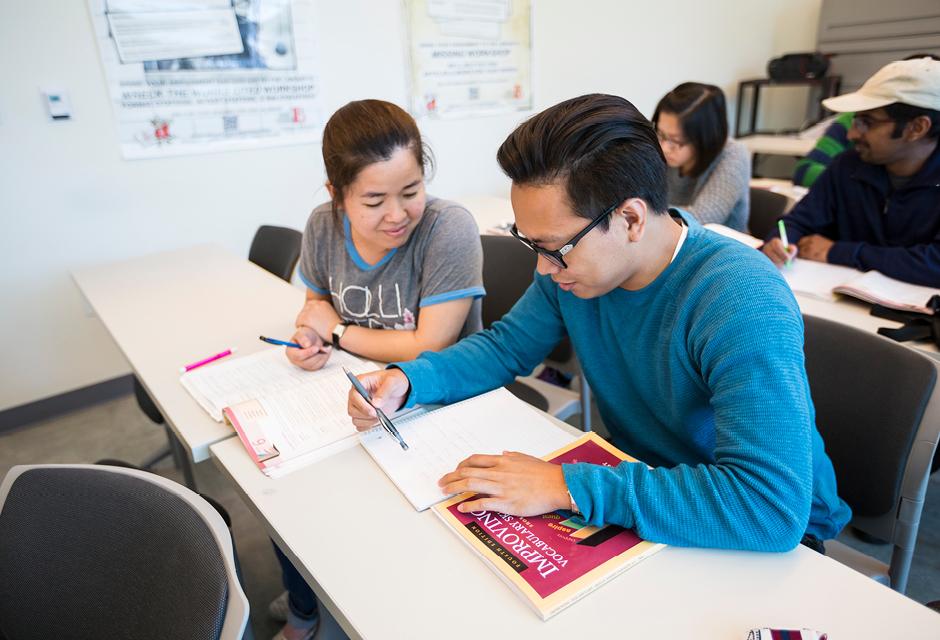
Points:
(286, 417)
(822, 280)
(555, 559)
(438, 440)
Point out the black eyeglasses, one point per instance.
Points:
(675, 143)
(557, 256)
(863, 123)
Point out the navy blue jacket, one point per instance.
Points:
(874, 226)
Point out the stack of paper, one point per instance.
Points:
(286, 417)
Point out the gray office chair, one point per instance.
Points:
(507, 272)
(878, 410)
(276, 249)
(766, 208)
(106, 552)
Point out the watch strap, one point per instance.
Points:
(338, 332)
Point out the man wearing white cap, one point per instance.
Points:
(878, 205)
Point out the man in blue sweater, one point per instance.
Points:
(692, 343)
(878, 205)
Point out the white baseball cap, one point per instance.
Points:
(913, 82)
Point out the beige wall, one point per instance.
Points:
(67, 199)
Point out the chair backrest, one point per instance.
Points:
(276, 249)
(508, 268)
(507, 273)
(878, 411)
(766, 208)
(104, 552)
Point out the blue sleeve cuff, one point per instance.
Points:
(845, 253)
(604, 495)
(574, 478)
(447, 296)
(312, 286)
(424, 387)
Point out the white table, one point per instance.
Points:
(170, 309)
(855, 313)
(778, 145)
(386, 571)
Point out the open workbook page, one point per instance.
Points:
(438, 440)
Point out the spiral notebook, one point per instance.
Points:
(438, 440)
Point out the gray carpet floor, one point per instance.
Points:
(117, 429)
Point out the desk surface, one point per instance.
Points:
(387, 571)
(855, 313)
(169, 309)
(778, 145)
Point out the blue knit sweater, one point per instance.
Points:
(700, 374)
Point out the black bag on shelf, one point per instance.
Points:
(798, 66)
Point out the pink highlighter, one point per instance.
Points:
(217, 356)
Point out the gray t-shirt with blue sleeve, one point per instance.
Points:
(442, 261)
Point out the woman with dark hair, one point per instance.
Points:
(709, 174)
(390, 271)
(381, 254)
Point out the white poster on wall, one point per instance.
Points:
(469, 57)
(197, 76)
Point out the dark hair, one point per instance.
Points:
(364, 132)
(902, 113)
(600, 145)
(701, 111)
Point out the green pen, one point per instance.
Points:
(783, 239)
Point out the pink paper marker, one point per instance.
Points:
(217, 356)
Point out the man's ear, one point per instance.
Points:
(633, 213)
(917, 128)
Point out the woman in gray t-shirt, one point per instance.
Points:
(382, 254)
(390, 271)
(708, 174)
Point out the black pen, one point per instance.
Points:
(383, 419)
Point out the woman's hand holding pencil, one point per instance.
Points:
(313, 353)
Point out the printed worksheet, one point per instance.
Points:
(265, 374)
(438, 440)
